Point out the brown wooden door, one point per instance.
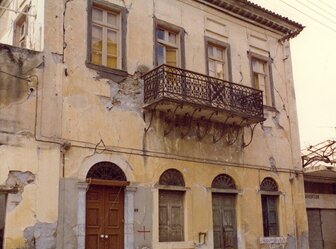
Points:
(105, 217)
(224, 221)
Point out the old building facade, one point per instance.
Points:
(148, 124)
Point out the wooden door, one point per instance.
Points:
(105, 217)
(224, 221)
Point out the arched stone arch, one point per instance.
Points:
(223, 181)
(106, 171)
(89, 162)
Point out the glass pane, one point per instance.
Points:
(112, 61)
(220, 70)
(22, 29)
(172, 38)
(97, 34)
(220, 53)
(160, 54)
(171, 56)
(210, 50)
(97, 15)
(160, 34)
(112, 19)
(111, 42)
(258, 66)
(212, 71)
(96, 58)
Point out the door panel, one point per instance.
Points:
(315, 229)
(224, 221)
(104, 217)
(328, 220)
(94, 216)
(114, 227)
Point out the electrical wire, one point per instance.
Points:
(315, 11)
(321, 8)
(13, 75)
(331, 7)
(323, 24)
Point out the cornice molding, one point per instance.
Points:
(257, 15)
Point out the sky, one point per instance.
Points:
(314, 65)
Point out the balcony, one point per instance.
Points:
(183, 92)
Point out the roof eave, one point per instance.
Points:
(258, 15)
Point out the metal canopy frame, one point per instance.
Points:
(324, 152)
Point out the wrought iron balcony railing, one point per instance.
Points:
(167, 83)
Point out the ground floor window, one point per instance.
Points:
(269, 203)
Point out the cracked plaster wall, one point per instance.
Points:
(114, 109)
(95, 107)
(34, 168)
(17, 90)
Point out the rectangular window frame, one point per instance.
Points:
(210, 41)
(180, 46)
(268, 94)
(265, 199)
(20, 37)
(121, 69)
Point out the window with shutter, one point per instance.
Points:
(218, 59)
(169, 43)
(171, 208)
(262, 77)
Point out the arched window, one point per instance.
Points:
(106, 171)
(269, 201)
(171, 208)
(268, 184)
(172, 177)
(223, 181)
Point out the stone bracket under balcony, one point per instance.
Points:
(188, 97)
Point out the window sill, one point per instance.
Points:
(116, 75)
(170, 187)
(273, 240)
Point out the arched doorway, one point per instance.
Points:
(105, 201)
(224, 212)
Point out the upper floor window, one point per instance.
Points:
(217, 54)
(107, 35)
(169, 44)
(269, 201)
(20, 31)
(262, 77)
